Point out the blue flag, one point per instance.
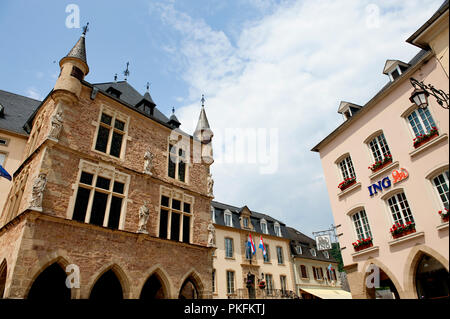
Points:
(4, 173)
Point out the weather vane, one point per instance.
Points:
(173, 110)
(126, 72)
(203, 100)
(86, 28)
(148, 86)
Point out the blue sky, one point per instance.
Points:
(262, 64)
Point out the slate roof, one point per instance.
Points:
(79, 50)
(306, 243)
(18, 109)
(255, 218)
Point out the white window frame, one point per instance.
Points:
(227, 213)
(379, 147)
(441, 187)
(299, 250)
(397, 214)
(277, 229)
(420, 120)
(313, 252)
(3, 156)
(5, 141)
(361, 224)
(246, 222)
(326, 254)
(213, 215)
(346, 167)
(230, 282)
(283, 283)
(280, 255)
(269, 284)
(230, 248)
(264, 229)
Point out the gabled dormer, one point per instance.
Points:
(114, 92)
(394, 68)
(348, 109)
(244, 217)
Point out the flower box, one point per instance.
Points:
(347, 183)
(262, 284)
(362, 244)
(380, 164)
(399, 230)
(444, 215)
(424, 138)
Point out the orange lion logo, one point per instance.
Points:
(399, 176)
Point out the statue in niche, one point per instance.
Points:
(210, 185)
(37, 192)
(144, 213)
(148, 162)
(211, 234)
(56, 122)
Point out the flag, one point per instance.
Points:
(4, 173)
(261, 245)
(330, 268)
(251, 244)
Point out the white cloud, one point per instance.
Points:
(34, 94)
(289, 70)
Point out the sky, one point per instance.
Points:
(275, 70)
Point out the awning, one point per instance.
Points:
(328, 293)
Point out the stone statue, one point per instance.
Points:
(210, 184)
(211, 234)
(148, 162)
(56, 125)
(144, 213)
(37, 192)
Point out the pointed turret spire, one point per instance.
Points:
(79, 49)
(173, 119)
(203, 132)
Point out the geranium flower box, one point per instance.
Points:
(399, 230)
(444, 215)
(424, 138)
(362, 244)
(380, 164)
(347, 183)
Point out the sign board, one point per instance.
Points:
(323, 242)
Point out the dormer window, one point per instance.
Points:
(227, 217)
(263, 224)
(313, 252)
(114, 92)
(326, 254)
(348, 109)
(277, 229)
(2, 110)
(213, 215)
(245, 222)
(394, 68)
(298, 249)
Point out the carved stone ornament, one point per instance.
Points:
(211, 235)
(56, 128)
(210, 185)
(144, 213)
(37, 192)
(148, 163)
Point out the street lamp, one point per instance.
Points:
(421, 92)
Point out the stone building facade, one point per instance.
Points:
(110, 189)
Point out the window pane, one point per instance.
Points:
(176, 204)
(415, 124)
(116, 144)
(114, 212)
(118, 187)
(102, 139)
(119, 125)
(186, 229)
(98, 209)
(186, 207)
(81, 203)
(165, 201)
(106, 119)
(2, 158)
(86, 178)
(175, 227)
(103, 183)
(163, 223)
(181, 171)
(171, 168)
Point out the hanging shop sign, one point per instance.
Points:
(397, 176)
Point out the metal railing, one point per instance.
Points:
(243, 293)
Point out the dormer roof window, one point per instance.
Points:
(394, 68)
(2, 110)
(348, 109)
(114, 92)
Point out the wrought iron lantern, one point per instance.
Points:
(421, 92)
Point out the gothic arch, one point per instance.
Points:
(194, 277)
(120, 274)
(411, 264)
(163, 277)
(385, 269)
(3, 276)
(57, 257)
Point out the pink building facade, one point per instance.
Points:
(387, 173)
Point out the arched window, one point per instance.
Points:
(399, 207)
(153, 289)
(361, 224)
(107, 287)
(277, 229)
(441, 186)
(50, 284)
(263, 225)
(227, 216)
(188, 290)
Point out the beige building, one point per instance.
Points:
(315, 271)
(107, 189)
(387, 173)
(14, 111)
(237, 273)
